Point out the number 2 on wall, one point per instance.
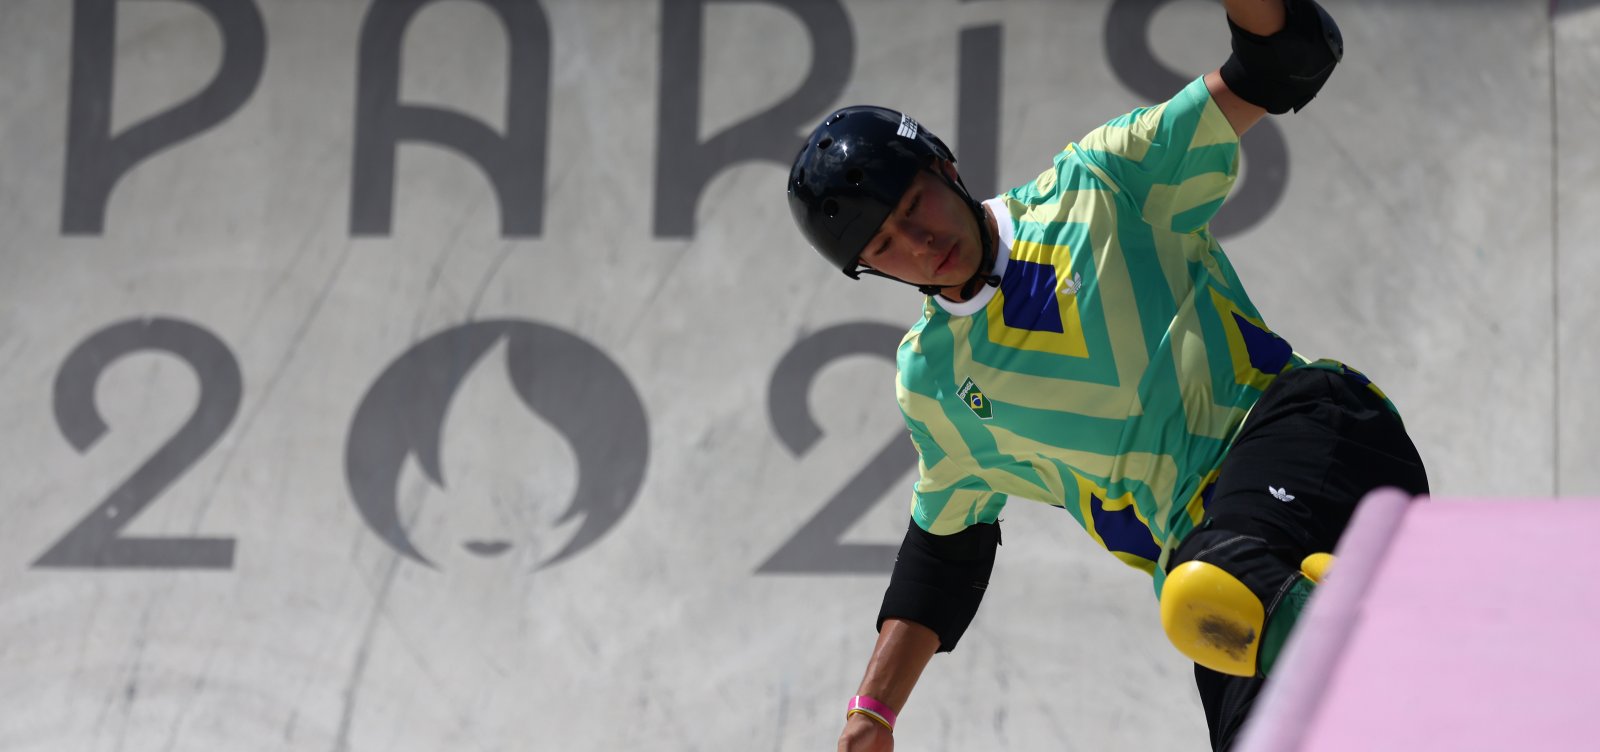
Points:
(95, 541)
(816, 548)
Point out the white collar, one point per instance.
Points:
(1002, 254)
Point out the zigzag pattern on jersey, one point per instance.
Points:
(1057, 316)
(1119, 353)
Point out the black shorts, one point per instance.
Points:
(1313, 446)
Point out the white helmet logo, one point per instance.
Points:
(908, 127)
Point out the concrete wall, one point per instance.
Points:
(457, 380)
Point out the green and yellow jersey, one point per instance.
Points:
(1113, 364)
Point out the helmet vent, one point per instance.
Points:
(830, 207)
(855, 176)
(825, 143)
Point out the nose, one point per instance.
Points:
(918, 238)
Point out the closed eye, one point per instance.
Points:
(910, 208)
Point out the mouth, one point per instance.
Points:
(946, 262)
(487, 548)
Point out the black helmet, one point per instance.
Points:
(851, 173)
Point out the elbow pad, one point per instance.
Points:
(939, 580)
(1284, 71)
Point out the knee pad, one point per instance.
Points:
(1229, 603)
(1213, 618)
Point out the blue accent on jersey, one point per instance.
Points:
(1269, 353)
(1030, 292)
(1122, 531)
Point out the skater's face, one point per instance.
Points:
(931, 237)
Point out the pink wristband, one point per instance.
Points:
(871, 708)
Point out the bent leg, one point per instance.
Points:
(1315, 444)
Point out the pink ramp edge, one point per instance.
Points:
(1283, 712)
(1473, 629)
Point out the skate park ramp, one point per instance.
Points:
(449, 375)
(1405, 645)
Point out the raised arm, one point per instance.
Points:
(1283, 51)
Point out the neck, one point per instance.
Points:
(990, 228)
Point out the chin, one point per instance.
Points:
(961, 275)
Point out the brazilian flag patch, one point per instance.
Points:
(971, 394)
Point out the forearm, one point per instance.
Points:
(901, 653)
(933, 593)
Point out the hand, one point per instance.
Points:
(862, 734)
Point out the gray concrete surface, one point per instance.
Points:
(553, 526)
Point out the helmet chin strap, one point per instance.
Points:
(982, 276)
(860, 270)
